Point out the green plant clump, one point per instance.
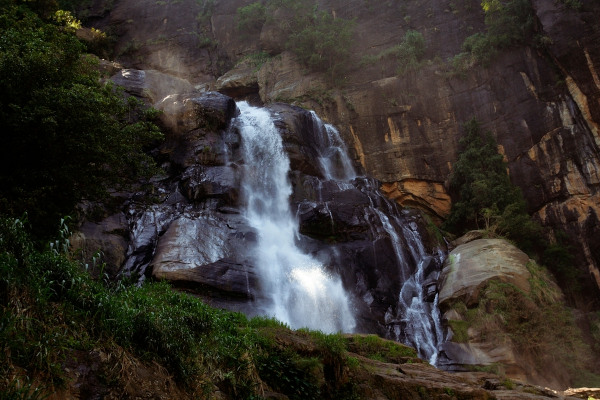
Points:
(324, 43)
(409, 53)
(51, 307)
(507, 23)
(537, 323)
(65, 135)
(483, 195)
(321, 41)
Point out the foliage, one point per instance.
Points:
(374, 347)
(482, 193)
(50, 306)
(251, 17)
(285, 372)
(320, 41)
(324, 43)
(409, 53)
(558, 257)
(255, 60)
(65, 135)
(508, 22)
(574, 4)
(536, 322)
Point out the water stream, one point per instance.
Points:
(301, 292)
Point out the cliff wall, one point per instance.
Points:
(541, 103)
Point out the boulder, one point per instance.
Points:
(239, 81)
(200, 182)
(196, 125)
(470, 266)
(203, 252)
(108, 238)
(150, 84)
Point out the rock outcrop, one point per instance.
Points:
(472, 265)
(497, 305)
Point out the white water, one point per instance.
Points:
(415, 322)
(299, 290)
(335, 163)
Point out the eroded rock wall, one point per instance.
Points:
(542, 104)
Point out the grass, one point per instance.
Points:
(376, 348)
(50, 307)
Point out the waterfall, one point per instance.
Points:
(416, 321)
(335, 163)
(246, 226)
(299, 289)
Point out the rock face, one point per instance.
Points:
(195, 234)
(496, 305)
(542, 105)
(472, 265)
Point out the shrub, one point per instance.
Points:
(323, 44)
(410, 51)
(507, 23)
(251, 17)
(483, 195)
(53, 157)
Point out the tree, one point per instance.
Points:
(65, 135)
(323, 44)
(483, 195)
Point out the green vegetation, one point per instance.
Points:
(323, 44)
(255, 60)
(51, 308)
(483, 195)
(409, 53)
(537, 323)
(507, 23)
(251, 17)
(319, 40)
(558, 256)
(574, 4)
(53, 157)
(376, 348)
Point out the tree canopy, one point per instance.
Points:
(483, 195)
(65, 135)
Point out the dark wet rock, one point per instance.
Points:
(200, 182)
(106, 241)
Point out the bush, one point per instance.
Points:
(507, 23)
(323, 44)
(482, 193)
(66, 137)
(251, 17)
(410, 51)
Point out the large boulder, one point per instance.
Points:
(196, 127)
(472, 265)
(504, 313)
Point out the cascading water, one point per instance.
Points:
(335, 163)
(415, 321)
(300, 291)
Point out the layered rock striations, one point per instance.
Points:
(541, 104)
